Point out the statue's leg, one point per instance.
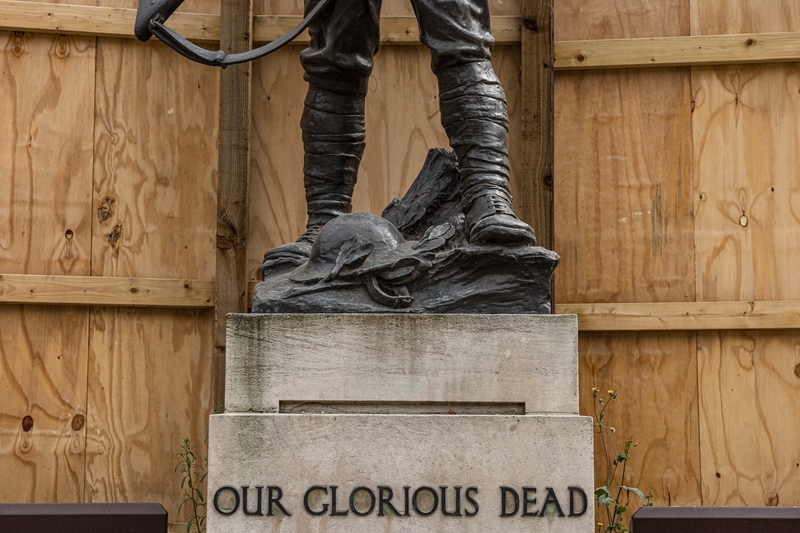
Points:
(474, 114)
(337, 65)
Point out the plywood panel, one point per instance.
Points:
(154, 211)
(655, 375)
(748, 219)
(45, 224)
(155, 163)
(746, 124)
(617, 19)
(43, 358)
(402, 124)
(718, 17)
(45, 157)
(623, 191)
(149, 387)
(749, 413)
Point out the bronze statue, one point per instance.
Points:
(474, 221)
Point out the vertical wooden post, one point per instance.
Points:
(236, 35)
(537, 118)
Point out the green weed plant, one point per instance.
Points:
(614, 497)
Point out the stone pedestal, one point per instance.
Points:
(399, 423)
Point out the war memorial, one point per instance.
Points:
(399, 373)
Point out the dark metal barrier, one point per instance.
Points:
(716, 520)
(83, 517)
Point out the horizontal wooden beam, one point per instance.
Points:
(103, 291)
(688, 316)
(118, 22)
(569, 55)
(678, 51)
(194, 293)
(96, 21)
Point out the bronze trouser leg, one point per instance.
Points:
(473, 113)
(337, 66)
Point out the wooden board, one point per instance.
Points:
(46, 154)
(45, 224)
(747, 220)
(749, 413)
(402, 124)
(678, 51)
(747, 194)
(683, 316)
(154, 208)
(620, 19)
(97, 290)
(155, 163)
(188, 6)
(623, 187)
(623, 226)
(536, 118)
(149, 387)
(655, 376)
(43, 365)
(720, 17)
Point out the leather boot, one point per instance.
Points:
(474, 115)
(333, 139)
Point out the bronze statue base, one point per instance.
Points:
(414, 259)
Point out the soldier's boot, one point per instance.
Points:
(333, 139)
(474, 115)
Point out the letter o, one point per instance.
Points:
(353, 501)
(435, 496)
(236, 500)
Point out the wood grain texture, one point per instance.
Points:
(235, 114)
(155, 163)
(96, 290)
(45, 223)
(188, 6)
(720, 17)
(684, 316)
(623, 226)
(623, 190)
(398, 29)
(536, 116)
(199, 21)
(678, 51)
(402, 124)
(749, 385)
(46, 153)
(96, 21)
(655, 375)
(149, 387)
(154, 201)
(620, 19)
(748, 219)
(43, 365)
(746, 124)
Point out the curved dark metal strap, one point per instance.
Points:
(219, 58)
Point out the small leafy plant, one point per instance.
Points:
(610, 496)
(194, 473)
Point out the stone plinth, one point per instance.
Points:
(525, 359)
(393, 423)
